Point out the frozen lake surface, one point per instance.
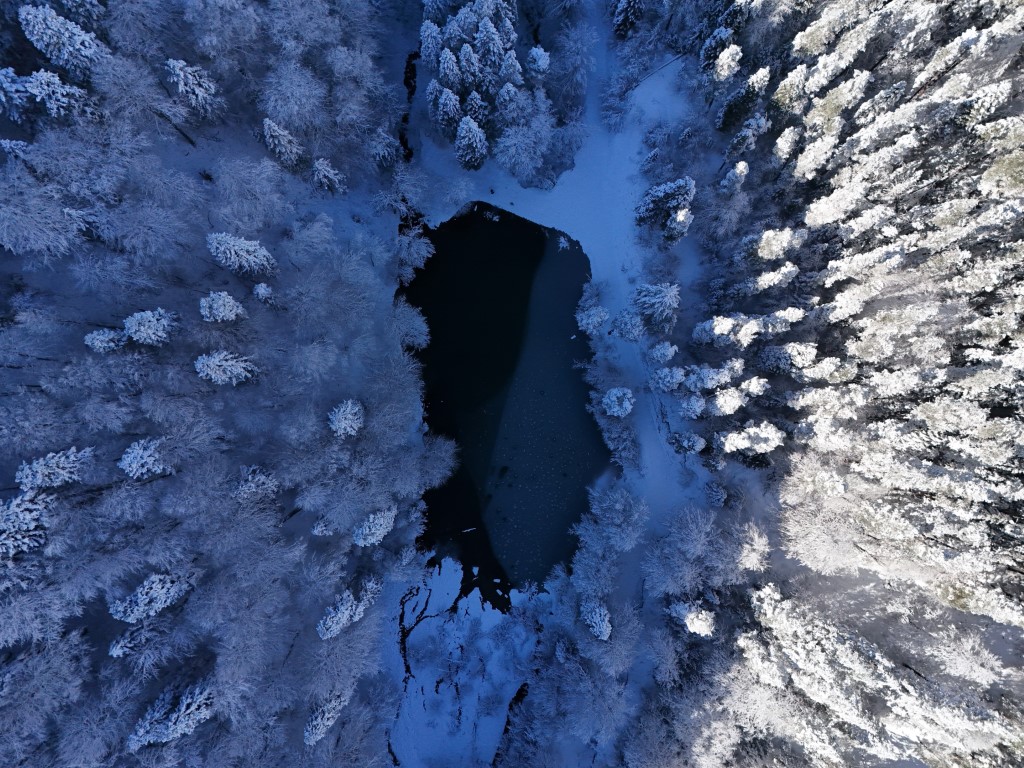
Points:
(499, 297)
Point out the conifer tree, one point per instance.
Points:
(470, 144)
(62, 41)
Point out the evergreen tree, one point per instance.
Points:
(625, 15)
(196, 86)
(346, 418)
(63, 42)
(151, 327)
(470, 144)
(448, 71)
(223, 367)
(220, 307)
(143, 459)
(449, 113)
(238, 255)
(173, 715)
(281, 143)
(53, 470)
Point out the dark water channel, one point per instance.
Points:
(499, 297)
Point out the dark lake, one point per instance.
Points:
(499, 296)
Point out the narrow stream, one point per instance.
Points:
(499, 297)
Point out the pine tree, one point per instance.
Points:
(220, 307)
(54, 469)
(431, 43)
(324, 716)
(23, 523)
(657, 302)
(196, 85)
(477, 109)
(348, 609)
(738, 105)
(173, 715)
(470, 144)
(285, 146)
(143, 459)
(63, 42)
(469, 67)
(238, 255)
(448, 71)
(223, 367)
(538, 63)
(54, 94)
(510, 71)
(346, 418)
(152, 327)
(374, 528)
(157, 592)
(448, 112)
(618, 402)
(667, 205)
(105, 340)
(625, 16)
(594, 614)
(327, 177)
(491, 53)
(13, 95)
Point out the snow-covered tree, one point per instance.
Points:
(56, 96)
(728, 63)
(662, 352)
(23, 523)
(220, 307)
(196, 86)
(143, 459)
(594, 614)
(257, 487)
(657, 302)
(618, 402)
(173, 715)
(668, 379)
(538, 62)
(222, 367)
(346, 418)
(105, 340)
(696, 619)
(327, 177)
(54, 469)
(279, 141)
(263, 292)
(448, 71)
(667, 206)
(448, 112)
(324, 716)
(733, 180)
(13, 94)
(157, 592)
(374, 528)
(470, 144)
(349, 609)
(754, 438)
(62, 41)
(151, 327)
(625, 15)
(238, 255)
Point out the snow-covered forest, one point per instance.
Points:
(805, 224)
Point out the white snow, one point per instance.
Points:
(466, 660)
